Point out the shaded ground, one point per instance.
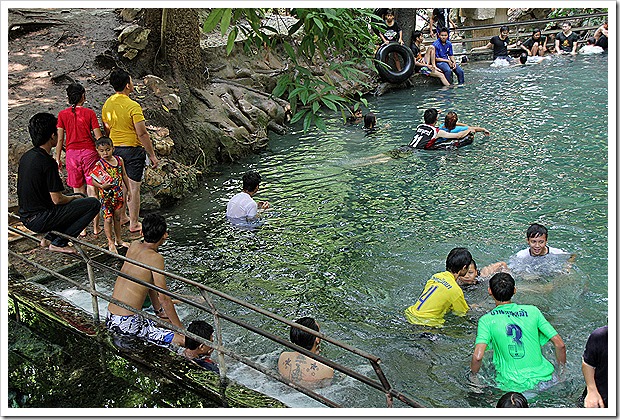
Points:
(65, 41)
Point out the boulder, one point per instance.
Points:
(479, 13)
(134, 36)
(129, 14)
(171, 101)
(157, 85)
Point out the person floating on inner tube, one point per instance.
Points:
(426, 134)
(392, 33)
(451, 125)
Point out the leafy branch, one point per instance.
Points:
(339, 37)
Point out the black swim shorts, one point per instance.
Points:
(135, 161)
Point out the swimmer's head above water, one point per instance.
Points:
(523, 58)
(370, 121)
(451, 120)
(430, 116)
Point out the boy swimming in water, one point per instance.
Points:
(441, 293)
(451, 125)
(472, 275)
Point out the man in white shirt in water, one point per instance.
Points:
(537, 240)
(242, 207)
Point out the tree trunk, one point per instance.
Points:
(406, 18)
(175, 38)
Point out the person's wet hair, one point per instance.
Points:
(302, 338)
(523, 58)
(512, 400)
(119, 78)
(451, 120)
(536, 31)
(103, 141)
(457, 259)
(41, 128)
(370, 120)
(430, 116)
(75, 91)
(502, 287)
(591, 40)
(535, 230)
(153, 227)
(503, 28)
(416, 35)
(250, 180)
(200, 328)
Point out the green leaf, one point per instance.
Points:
(318, 23)
(295, 92)
(225, 23)
(320, 124)
(298, 116)
(281, 85)
(230, 44)
(212, 20)
(290, 51)
(329, 104)
(308, 121)
(295, 27)
(304, 96)
(315, 106)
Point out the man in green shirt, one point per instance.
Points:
(516, 334)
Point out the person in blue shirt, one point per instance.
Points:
(444, 57)
(451, 125)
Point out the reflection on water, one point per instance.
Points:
(352, 243)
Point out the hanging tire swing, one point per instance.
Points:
(389, 73)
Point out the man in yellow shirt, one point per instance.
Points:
(442, 293)
(124, 123)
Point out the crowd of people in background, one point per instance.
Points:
(438, 59)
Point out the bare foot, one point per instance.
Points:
(124, 220)
(83, 233)
(64, 249)
(135, 228)
(97, 230)
(112, 248)
(123, 244)
(44, 243)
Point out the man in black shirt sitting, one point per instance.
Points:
(42, 205)
(500, 45)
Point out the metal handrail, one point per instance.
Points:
(517, 24)
(381, 385)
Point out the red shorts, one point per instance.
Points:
(79, 162)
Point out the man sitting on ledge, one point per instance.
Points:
(123, 321)
(42, 205)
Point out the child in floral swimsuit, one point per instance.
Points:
(108, 174)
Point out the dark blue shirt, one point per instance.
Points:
(443, 50)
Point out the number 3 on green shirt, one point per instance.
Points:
(516, 350)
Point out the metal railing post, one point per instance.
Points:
(91, 280)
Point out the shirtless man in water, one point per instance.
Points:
(297, 367)
(123, 321)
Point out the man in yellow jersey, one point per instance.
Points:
(442, 293)
(124, 123)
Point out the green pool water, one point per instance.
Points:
(351, 240)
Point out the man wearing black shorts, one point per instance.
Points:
(42, 205)
(124, 123)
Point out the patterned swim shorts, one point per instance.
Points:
(140, 327)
